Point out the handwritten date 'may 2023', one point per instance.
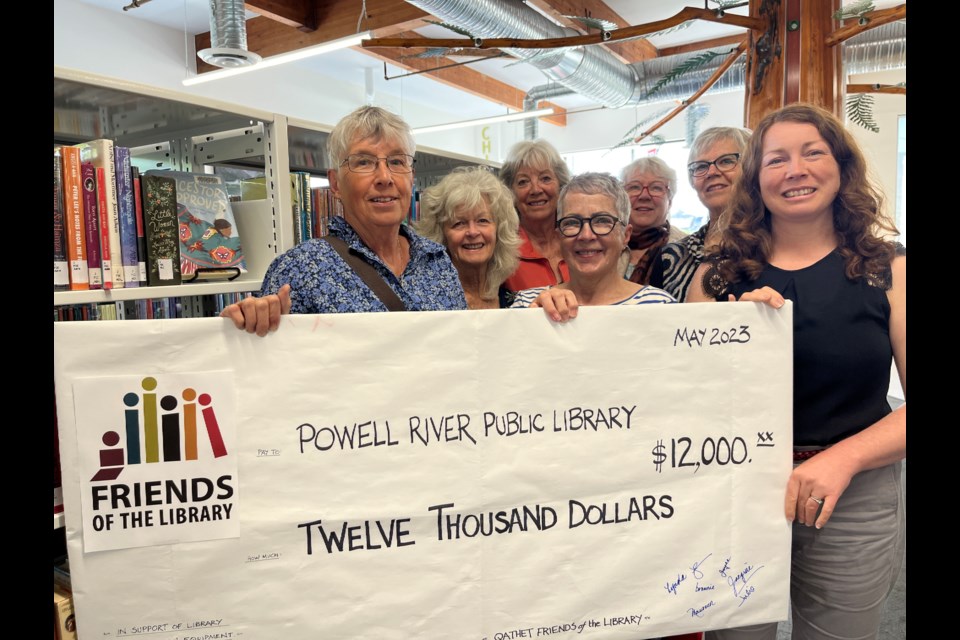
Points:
(712, 336)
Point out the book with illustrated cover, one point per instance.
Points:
(209, 238)
(161, 229)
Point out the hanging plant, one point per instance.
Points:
(594, 23)
(723, 5)
(860, 111)
(452, 27)
(629, 135)
(686, 67)
(854, 10)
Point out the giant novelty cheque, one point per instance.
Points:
(477, 475)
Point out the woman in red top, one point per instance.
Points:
(535, 173)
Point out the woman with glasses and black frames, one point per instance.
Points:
(650, 184)
(593, 227)
(370, 261)
(713, 169)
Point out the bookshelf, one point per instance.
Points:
(171, 130)
(167, 130)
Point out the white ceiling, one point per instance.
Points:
(193, 17)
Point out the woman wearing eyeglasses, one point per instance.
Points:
(593, 228)
(372, 262)
(713, 170)
(650, 183)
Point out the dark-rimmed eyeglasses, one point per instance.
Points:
(726, 162)
(655, 189)
(366, 163)
(601, 224)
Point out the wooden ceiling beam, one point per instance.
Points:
(627, 51)
(335, 19)
(464, 79)
(729, 41)
(299, 14)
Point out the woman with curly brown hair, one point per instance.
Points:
(806, 225)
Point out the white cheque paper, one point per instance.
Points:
(478, 475)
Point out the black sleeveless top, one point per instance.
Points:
(841, 348)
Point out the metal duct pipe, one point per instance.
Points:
(596, 74)
(880, 49)
(531, 126)
(589, 71)
(228, 36)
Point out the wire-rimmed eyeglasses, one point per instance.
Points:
(601, 224)
(366, 163)
(726, 162)
(655, 189)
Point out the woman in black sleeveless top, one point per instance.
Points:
(807, 226)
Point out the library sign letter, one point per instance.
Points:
(157, 459)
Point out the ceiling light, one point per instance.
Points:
(283, 58)
(519, 115)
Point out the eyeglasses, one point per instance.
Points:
(366, 163)
(601, 224)
(725, 162)
(655, 189)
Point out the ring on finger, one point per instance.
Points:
(819, 501)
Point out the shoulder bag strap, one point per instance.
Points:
(368, 274)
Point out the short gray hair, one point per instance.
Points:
(469, 187)
(367, 122)
(595, 183)
(709, 137)
(537, 154)
(655, 165)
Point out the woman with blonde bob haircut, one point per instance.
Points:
(471, 213)
(535, 172)
(807, 225)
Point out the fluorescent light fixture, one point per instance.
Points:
(519, 115)
(283, 58)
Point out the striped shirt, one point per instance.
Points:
(646, 295)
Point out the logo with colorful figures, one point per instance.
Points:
(161, 427)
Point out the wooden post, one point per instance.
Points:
(821, 75)
(763, 92)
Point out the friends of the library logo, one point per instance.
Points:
(167, 441)
(167, 436)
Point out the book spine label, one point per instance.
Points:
(73, 200)
(61, 263)
(91, 222)
(126, 211)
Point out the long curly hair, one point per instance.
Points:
(469, 187)
(861, 225)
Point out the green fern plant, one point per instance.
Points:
(629, 135)
(860, 111)
(686, 67)
(452, 27)
(594, 23)
(854, 10)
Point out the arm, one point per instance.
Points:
(259, 315)
(828, 474)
